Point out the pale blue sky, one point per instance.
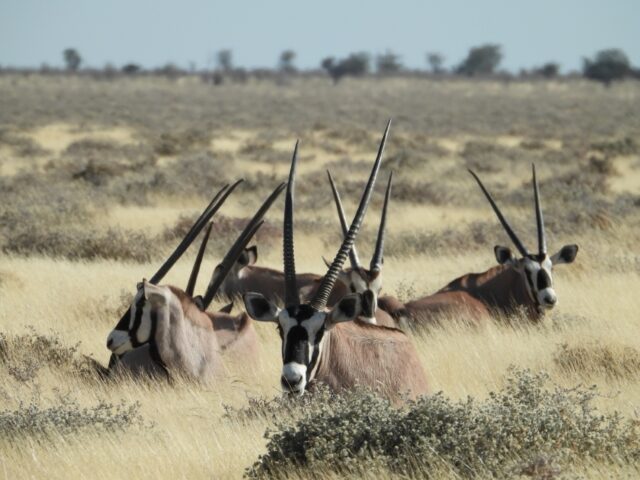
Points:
(154, 32)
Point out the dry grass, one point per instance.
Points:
(593, 332)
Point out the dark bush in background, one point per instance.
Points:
(356, 64)
(481, 60)
(607, 66)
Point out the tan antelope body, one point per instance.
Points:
(245, 277)
(433, 309)
(331, 345)
(236, 336)
(359, 353)
(167, 328)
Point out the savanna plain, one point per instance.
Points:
(99, 180)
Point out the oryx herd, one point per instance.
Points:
(336, 329)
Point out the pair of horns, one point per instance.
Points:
(319, 301)
(232, 255)
(542, 240)
(376, 259)
(191, 235)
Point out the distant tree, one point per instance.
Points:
(548, 70)
(607, 66)
(388, 62)
(482, 60)
(131, 68)
(224, 59)
(72, 59)
(356, 64)
(435, 61)
(285, 62)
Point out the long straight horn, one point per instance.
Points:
(353, 254)
(542, 240)
(206, 215)
(193, 278)
(291, 294)
(320, 299)
(238, 247)
(377, 259)
(512, 235)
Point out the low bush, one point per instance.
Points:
(66, 417)
(527, 426)
(595, 359)
(622, 146)
(77, 243)
(23, 355)
(173, 143)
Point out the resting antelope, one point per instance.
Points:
(515, 284)
(357, 278)
(180, 335)
(245, 277)
(332, 346)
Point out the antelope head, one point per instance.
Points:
(302, 327)
(136, 327)
(356, 278)
(248, 257)
(535, 268)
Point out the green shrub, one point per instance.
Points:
(622, 146)
(66, 417)
(23, 355)
(529, 425)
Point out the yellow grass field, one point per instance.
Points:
(185, 435)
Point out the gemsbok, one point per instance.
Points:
(332, 346)
(357, 278)
(181, 336)
(245, 277)
(517, 284)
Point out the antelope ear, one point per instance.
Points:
(252, 254)
(227, 308)
(154, 294)
(199, 301)
(347, 309)
(259, 308)
(567, 254)
(504, 255)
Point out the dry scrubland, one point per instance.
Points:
(99, 180)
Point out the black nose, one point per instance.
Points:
(290, 383)
(551, 300)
